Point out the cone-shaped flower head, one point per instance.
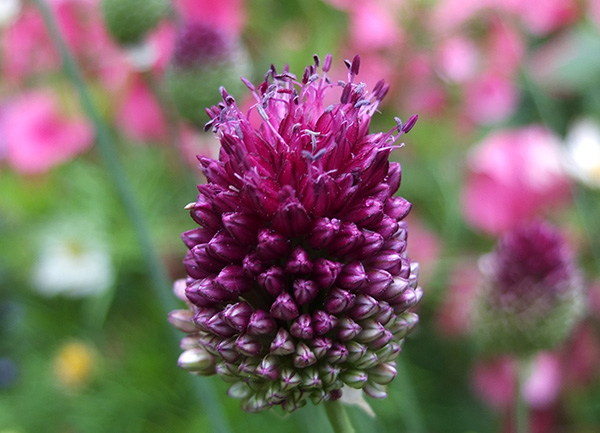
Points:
(531, 294)
(298, 278)
(205, 57)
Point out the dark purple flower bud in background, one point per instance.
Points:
(298, 278)
(531, 295)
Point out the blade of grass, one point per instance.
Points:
(108, 150)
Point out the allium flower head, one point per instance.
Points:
(298, 278)
(532, 292)
(204, 58)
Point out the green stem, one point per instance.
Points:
(521, 409)
(411, 411)
(108, 151)
(172, 123)
(336, 412)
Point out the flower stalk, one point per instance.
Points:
(521, 408)
(338, 417)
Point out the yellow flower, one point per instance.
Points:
(74, 364)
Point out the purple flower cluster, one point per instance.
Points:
(532, 292)
(298, 278)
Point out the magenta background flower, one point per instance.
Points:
(426, 94)
(513, 176)
(28, 50)
(26, 47)
(458, 58)
(531, 294)
(490, 98)
(454, 313)
(593, 11)
(162, 42)
(581, 356)
(228, 15)
(374, 26)
(494, 381)
(547, 16)
(425, 247)
(194, 144)
(504, 49)
(140, 115)
(543, 386)
(37, 137)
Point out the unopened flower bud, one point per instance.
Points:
(197, 360)
(283, 343)
(354, 378)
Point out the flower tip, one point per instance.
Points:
(412, 120)
(327, 63)
(355, 66)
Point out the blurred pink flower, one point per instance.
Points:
(373, 66)
(543, 386)
(424, 248)
(194, 144)
(81, 24)
(581, 359)
(594, 299)
(505, 48)
(454, 313)
(494, 381)
(513, 175)
(447, 15)
(546, 16)
(373, 27)
(26, 47)
(425, 95)
(162, 42)
(37, 137)
(490, 98)
(458, 58)
(229, 15)
(593, 11)
(140, 116)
